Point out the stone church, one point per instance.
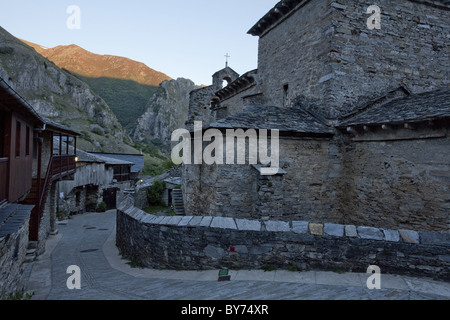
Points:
(363, 115)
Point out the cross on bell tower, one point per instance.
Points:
(226, 61)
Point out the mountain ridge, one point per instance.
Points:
(61, 97)
(88, 64)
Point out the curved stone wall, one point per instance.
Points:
(201, 243)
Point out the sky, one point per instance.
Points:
(181, 38)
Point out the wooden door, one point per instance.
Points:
(110, 198)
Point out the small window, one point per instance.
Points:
(27, 151)
(286, 95)
(18, 137)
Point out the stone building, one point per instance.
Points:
(363, 115)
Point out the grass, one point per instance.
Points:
(22, 296)
(268, 267)
(160, 209)
(132, 263)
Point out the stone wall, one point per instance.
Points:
(401, 183)
(12, 256)
(202, 243)
(378, 179)
(306, 189)
(236, 103)
(199, 105)
(326, 54)
(293, 53)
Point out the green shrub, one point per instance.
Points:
(98, 131)
(154, 193)
(101, 207)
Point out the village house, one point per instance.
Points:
(94, 182)
(363, 116)
(44, 176)
(28, 174)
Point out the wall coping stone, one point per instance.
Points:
(185, 221)
(332, 229)
(391, 235)
(148, 219)
(223, 223)
(206, 222)
(350, 231)
(316, 229)
(277, 226)
(195, 222)
(248, 225)
(173, 221)
(157, 220)
(298, 227)
(370, 233)
(410, 236)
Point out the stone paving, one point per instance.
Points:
(88, 241)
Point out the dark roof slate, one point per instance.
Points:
(294, 119)
(136, 159)
(414, 108)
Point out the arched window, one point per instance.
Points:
(226, 81)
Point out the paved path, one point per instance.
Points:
(88, 241)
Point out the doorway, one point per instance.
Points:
(110, 198)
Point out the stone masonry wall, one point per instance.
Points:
(12, 255)
(199, 103)
(203, 243)
(401, 183)
(389, 179)
(326, 54)
(294, 53)
(308, 189)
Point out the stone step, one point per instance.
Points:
(178, 203)
(30, 255)
(32, 245)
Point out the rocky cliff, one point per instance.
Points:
(60, 96)
(166, 111)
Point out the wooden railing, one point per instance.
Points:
(58, 167)
(3, 179)
(62, 165)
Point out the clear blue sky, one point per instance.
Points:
(182, 38)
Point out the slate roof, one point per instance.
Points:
(12, 218)
(10, 99)
(59, 127)
(96, 158)
(136, 159)
(294, 119)
(414, 108)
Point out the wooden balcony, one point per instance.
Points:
(62, 166)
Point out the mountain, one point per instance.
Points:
(125, 85)
(62, 97)
(166, 111)
(87, 64)
(149, 104)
